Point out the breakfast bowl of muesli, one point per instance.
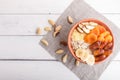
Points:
(90, 41)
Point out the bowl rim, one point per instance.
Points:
(87, 20)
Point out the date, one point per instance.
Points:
(95, 45)
(108, 46)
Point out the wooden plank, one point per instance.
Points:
(22, 47)
(27, 24)
(45, 70)
(54, 6)
(24, 24)
(25, 47)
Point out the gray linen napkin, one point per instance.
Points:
(80, 10)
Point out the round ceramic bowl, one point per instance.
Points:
(74, 27)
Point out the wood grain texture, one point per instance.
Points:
(27, 24)
(47, 70)
(25, 47)
(21, 57)
(54, 6)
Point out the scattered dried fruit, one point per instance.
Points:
(64, 43)
(59, 51)
(64, 58)
(51, 22)
(47, 29)
(38, 31)
(44, 42)
(70, 20)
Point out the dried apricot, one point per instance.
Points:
(108, 38)
(101, 29)
(104, 34)
(90, 38)
(95, 31)
(100, 38)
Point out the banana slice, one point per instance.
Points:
(79, 29)
(93, 23)
(85, 56)
(90, 27)
(86, 30)
(79, 52)
(91, 60)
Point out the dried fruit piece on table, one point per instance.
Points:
(51, 22)
(77, 62)
(70, 19)
(59, 51)
(108, 46)
(47, 29)
(90, 38)
(98, 52)
(64, 43)
(64, 58)
(95, 31)
(108, 38)
(38, 31)
(45, 42)
(91, 60)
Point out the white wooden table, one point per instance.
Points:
(21, 56)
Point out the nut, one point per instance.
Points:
(44, 42)
(70, 20)
(51, 22)
(80, 30)
(59, 51)
(64, 58)
(86, 30)
(58, 28)
(77, 62)
(38, 31)
(55, 33)
(47, 29)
